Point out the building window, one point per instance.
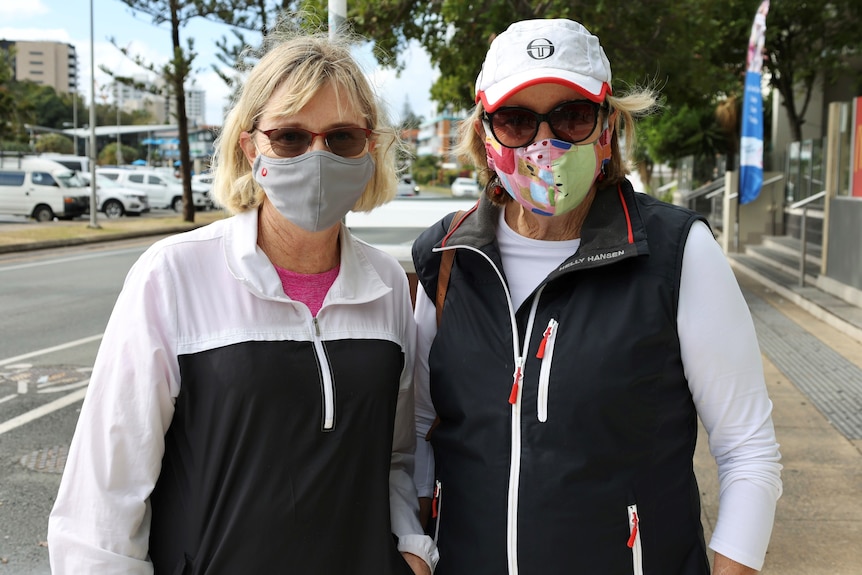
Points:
(37, 53)
(36, 63)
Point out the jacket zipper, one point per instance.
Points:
(328, 389)
(546, 354)
(437, 507)
(634, 542)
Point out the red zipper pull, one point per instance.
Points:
(541, 353)
(631, 542)
(513, 396)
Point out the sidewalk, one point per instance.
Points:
(814, 374)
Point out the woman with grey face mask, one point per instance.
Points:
(251, 407)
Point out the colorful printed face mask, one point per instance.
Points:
(549, 177)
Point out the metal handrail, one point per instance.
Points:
(802, 234)
(810, 199)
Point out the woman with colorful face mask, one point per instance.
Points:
(251, 407)
(571, 333)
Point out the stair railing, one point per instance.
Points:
(803, 204)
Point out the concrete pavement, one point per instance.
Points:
(818, 523)
(814, 375)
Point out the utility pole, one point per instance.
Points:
(94, 204)
(337, 16)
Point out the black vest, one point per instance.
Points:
(608, 427)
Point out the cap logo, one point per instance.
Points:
(540, 49)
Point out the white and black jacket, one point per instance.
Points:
(226, 430)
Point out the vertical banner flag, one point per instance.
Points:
(856, 146)
(751, 146)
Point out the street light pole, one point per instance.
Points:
(93, 200)
(75, 115)
(337, 16)
(119, 148)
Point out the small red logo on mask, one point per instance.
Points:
(263, 172)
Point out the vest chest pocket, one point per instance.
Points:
(546, 354)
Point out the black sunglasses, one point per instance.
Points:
(292, 142)
(516, 127)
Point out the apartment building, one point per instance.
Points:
(438, 136)
(45, 63)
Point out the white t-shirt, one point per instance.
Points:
(722, 363)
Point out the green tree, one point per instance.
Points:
(426, 169)
(693, 50)
(50, 109)
(108, 154)
(7, 99)
(54, 143)
(409, 120)
(806, 41)
(175, 73)
(255, 19)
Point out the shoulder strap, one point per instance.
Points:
(446, 259)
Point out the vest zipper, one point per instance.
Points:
(634, 542)
(546, 354)
(437, 507)
(515, 454)
(326, 384)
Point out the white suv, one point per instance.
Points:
(163, 190)
(116, 201)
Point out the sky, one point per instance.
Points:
(68, 21)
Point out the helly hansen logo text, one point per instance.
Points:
(595, 258)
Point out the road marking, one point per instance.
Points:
(22, 386)
(42, 411)
(66, 387)
(48, 350)
(53, 261)
(8, 397)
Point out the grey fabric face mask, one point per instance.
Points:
(314, 190)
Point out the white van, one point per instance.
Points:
(163, 190)
(75, 163)
(40, 189)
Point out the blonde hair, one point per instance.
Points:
(639, 102)
(304, 63)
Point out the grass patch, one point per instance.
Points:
(28, 232)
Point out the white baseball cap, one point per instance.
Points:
(532, 52)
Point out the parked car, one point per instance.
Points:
(203, 179)
(40, 189)
(163, 190)
(116, 201)
(465, 188)
(78, 164)
(407, 187)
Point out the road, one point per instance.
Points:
(55, 305)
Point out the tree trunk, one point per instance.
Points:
(179, 77)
